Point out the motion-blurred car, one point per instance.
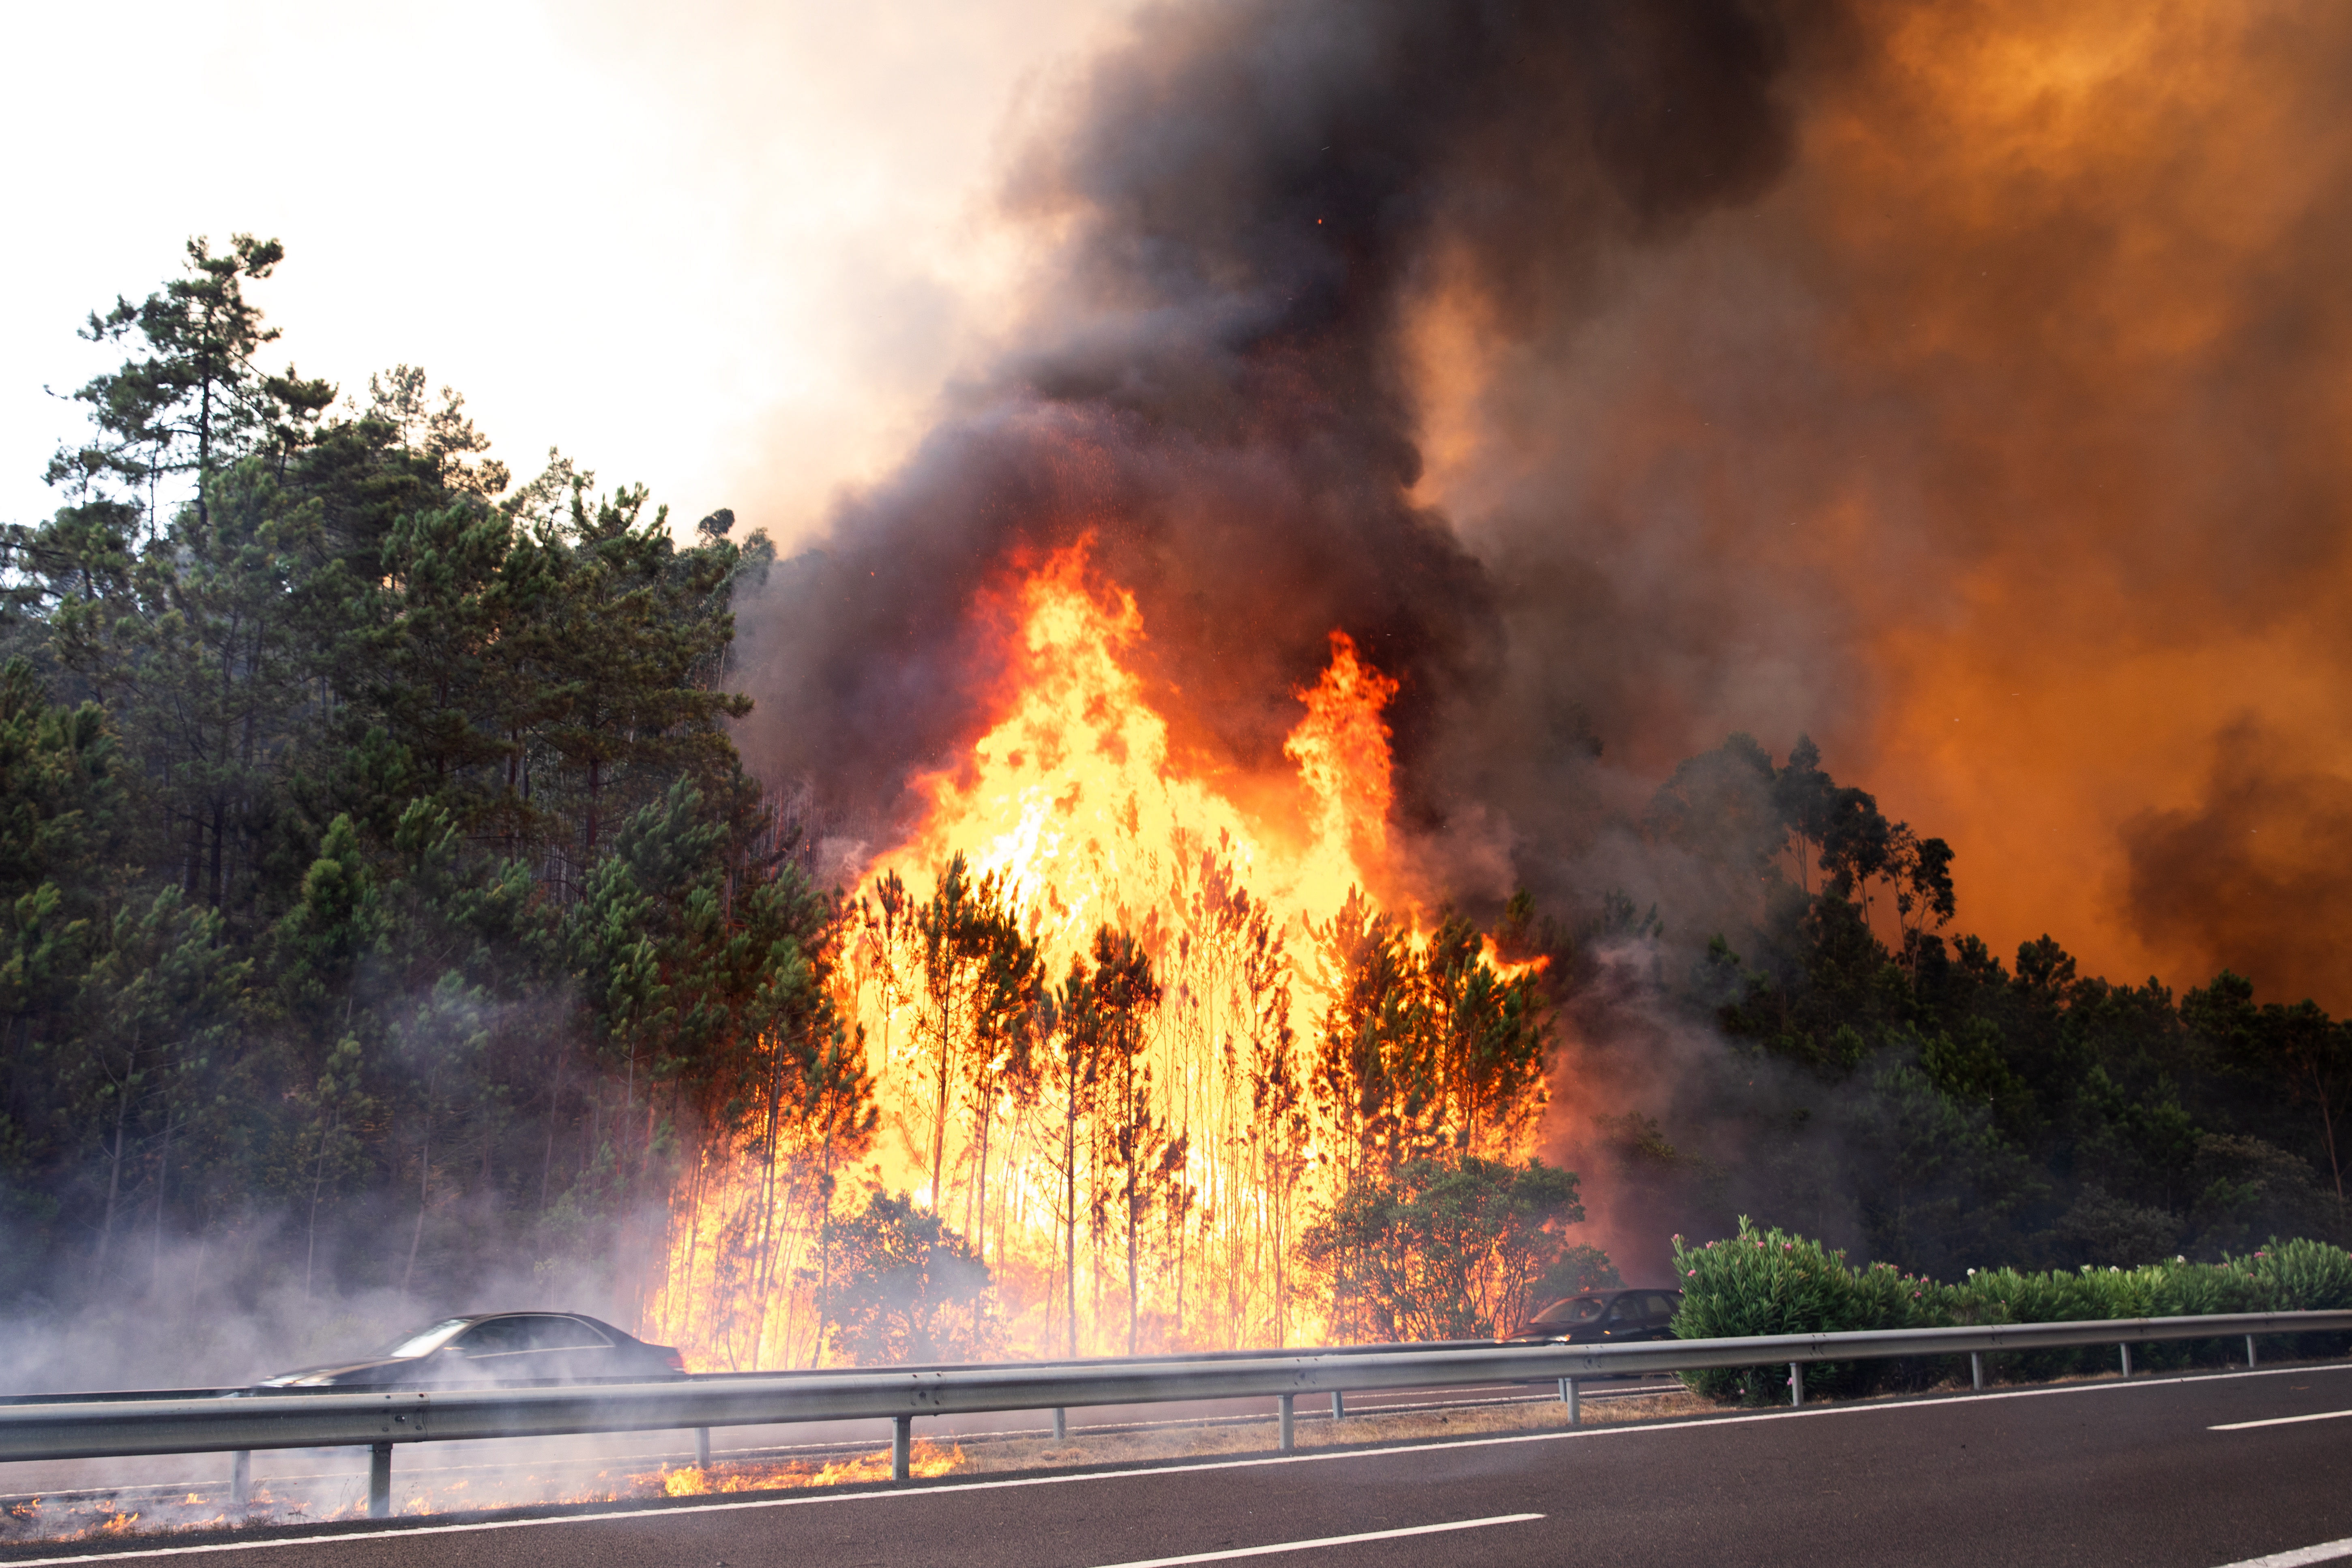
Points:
(497, 1348)
(1605, 1316)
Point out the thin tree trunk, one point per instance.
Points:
(423, 1188)
(939, 1115)
(317, 1187)
(155, 1246)
(114, 1172)
(554, 1112)
(1070, 1206)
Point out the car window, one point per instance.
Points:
(495, 1336)
(1625, 1310)
(1661, 1311)
(1575, 1309)
(565, 1334)
(424, 1342)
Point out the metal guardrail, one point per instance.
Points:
(238, 1422)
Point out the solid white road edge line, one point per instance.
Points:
(912, 1494)
(2325, 1552)
(1327, 1540)
(2281, 1421)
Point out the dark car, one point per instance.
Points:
(497, 1348)
(1606, 1317)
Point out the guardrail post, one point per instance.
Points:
(2127, 1350)
(1339, 1406)
(379, 1481)
(1282, 1424)
(1568, 1396)
(702, 1448)
(1061, 1425)
(1796, 1382)
(902, 1445)
(2250, 1352)
(240, 1479)
(1976, 1370)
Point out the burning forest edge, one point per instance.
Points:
(1146, 878)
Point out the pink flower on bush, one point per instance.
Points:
(1693, 1273)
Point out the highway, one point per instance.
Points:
(2217, 1468)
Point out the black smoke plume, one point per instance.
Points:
(1254, 195)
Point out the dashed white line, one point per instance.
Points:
(2281, 1421)
(1327, 1540)
(2325, 1552)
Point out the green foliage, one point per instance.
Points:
(904, 1289)
(1446, 1250)
(373, 860)
(1772, 1282)
(1580, 1267)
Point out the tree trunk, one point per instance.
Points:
(939, 1115)
(424, 1189)
(220, 834)
(155, 1244)
(1070, 1204)
(317, 1187)
(114, 1172)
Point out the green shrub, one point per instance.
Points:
(1770, 1282)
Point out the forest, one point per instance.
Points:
(387, 910)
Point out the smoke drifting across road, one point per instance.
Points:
(1958, 382)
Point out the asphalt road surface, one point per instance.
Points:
(2197, 1471)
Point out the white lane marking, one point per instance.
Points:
(1629, 1429)
(1327, 1540)
(2281, 1421)
(2325, 1552)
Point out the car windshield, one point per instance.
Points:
(424, 1342)
(1575, 1309)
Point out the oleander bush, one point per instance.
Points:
(1772, 1282)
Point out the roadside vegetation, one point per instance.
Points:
(1772, 1282)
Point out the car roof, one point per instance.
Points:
(535, 1312)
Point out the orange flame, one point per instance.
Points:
(1076, 801)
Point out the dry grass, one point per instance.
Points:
(1356, 1430)
(998, 1456)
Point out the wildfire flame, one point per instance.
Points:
(1077, 806)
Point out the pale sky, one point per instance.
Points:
(731, 251)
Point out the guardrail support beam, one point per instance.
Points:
(240, 1479)
(2127, 1350)
(379, 1481)
(2250, 1352)
(702, 1448)
(1339, 1406)
(1976, 1370)
(1061, 1425)
(1286, 1432)
(1567, 1393)
(902, 1445)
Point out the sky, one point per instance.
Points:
(731, 252)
